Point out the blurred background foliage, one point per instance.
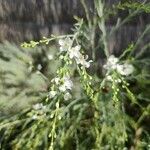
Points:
(22, 82)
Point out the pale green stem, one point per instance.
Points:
(100, 10)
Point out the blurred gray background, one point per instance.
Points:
(24, 20)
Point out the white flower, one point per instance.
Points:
(38, 106)
(62, 88)
(125, 69)
(81, 60)
(39, 67)
(56, 80)
(52, 94)
(111, 63)
(50, 57)
(75, 52)
(109, 78)
(86, 64)
(34, 117)
(64, 44)
(67, 84)
(112, 59)
(67, 96)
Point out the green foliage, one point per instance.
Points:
(135, 6)
(81, 110)
(21, 78)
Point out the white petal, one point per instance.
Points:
(34, 117)
(67, 96)
(87, 64)
(52, 94)
(61, 42)
(109, 78)
(112, 59)
(56, 80)
(125, 69)
(77, 48)
(39, 67)
(62, 88)
(50, 57)
(62, 49)
(37, 106)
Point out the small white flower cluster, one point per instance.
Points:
(38, 106)
(65, 44)
(113, 64)
(64, 85)
(39, 110)
(74, 52)
(67, 84)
